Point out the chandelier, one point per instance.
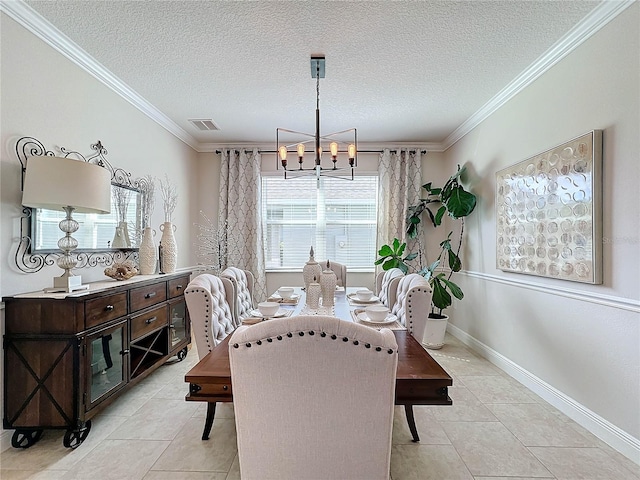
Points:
(343, 143)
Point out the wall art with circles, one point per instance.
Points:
(549, 212)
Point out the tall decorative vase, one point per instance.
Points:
(118, 238)
(328, 282)
(169, 248)
(313, 295)
(147, 253)
(125, 231)
(311, 271)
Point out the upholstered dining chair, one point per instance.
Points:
(209, 299)
(243, 281)
(339, 269)
(313, 399)
(387, 285)
(413, 304)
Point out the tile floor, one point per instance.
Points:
(496, 429)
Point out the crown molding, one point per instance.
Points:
(428, 146)
(36, 24)
(41, 28)
(598, 18)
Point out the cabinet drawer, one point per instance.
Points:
(177, 286)
(148, 322)
(144, 297)
(103, 309)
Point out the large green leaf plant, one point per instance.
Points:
(452, 199)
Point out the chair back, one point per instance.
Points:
(339, 269)
(313, 399)
(242, 281)
(387, 286)
(413, 303)
(208, 298)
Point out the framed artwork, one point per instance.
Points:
(549, 212)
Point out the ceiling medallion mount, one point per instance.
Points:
(344, 142)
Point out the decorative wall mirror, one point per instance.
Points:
(103, 239)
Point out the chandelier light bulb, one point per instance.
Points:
(283, 155)
(352, 151)
(301, 150)
(334, 149)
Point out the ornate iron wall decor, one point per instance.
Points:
(549, 212)
(29, 261)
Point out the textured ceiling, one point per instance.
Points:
(408, 72)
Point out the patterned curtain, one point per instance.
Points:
(240, 215)
(400, 180)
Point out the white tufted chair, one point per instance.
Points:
(413, 304)
(339, 269)
(313, 399)
(243, 281)
(387, 285)
(208, 298)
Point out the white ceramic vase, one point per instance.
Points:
(328, 282)
(169, 259)
(147, 253)
(119, 239)
(311, 271)
(313, 295)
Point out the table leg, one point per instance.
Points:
(408, 410)
(208, 423)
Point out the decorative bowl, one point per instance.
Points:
(364, 295)
(268, 309)
(121, 271)
(285, 292)
(377, 313)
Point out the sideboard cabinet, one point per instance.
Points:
(69, 355)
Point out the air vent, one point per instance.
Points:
(204, 124)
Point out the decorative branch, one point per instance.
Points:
(122, 197)
(214, 244)
(169, 197)
(147, 187)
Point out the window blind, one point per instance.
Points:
(336, 217)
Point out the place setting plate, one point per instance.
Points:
(279, 314)
(292, 300)
(354, 298)
(362, 317)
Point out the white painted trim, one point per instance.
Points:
(598, 18)
(606, 431)
(41, 28)
(582, 295)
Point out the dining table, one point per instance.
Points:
(420, 380)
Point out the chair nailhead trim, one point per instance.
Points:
(259, 342)
(301, 334)
(235, 345)
(390, 351)
(356, 342)
(378, 349)
(248, 344)
(345, 339)
(279, 337)
(289, 334)
(367, 345)
(323, 334)
(333, 337)
(269, 340)
(311, 332)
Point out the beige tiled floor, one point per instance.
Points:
(496, 429)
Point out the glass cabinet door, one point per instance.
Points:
(106, 360)
(178, 324)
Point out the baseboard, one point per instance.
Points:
(617, 438)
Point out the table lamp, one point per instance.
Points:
(57, 183)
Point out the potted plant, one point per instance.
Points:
(452, 199)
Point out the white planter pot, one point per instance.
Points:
(169, 259)
(147, 253)
(434, 332)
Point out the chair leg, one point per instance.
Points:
(408, 410)
(208, 423)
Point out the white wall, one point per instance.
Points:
(586, 344)
(46, 96)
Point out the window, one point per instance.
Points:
(337, 217)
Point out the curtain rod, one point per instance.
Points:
(359, 151)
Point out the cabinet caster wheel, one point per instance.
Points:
(25, 438)
(74, 438)
(182, 354)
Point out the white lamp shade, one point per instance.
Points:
(56, 182)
